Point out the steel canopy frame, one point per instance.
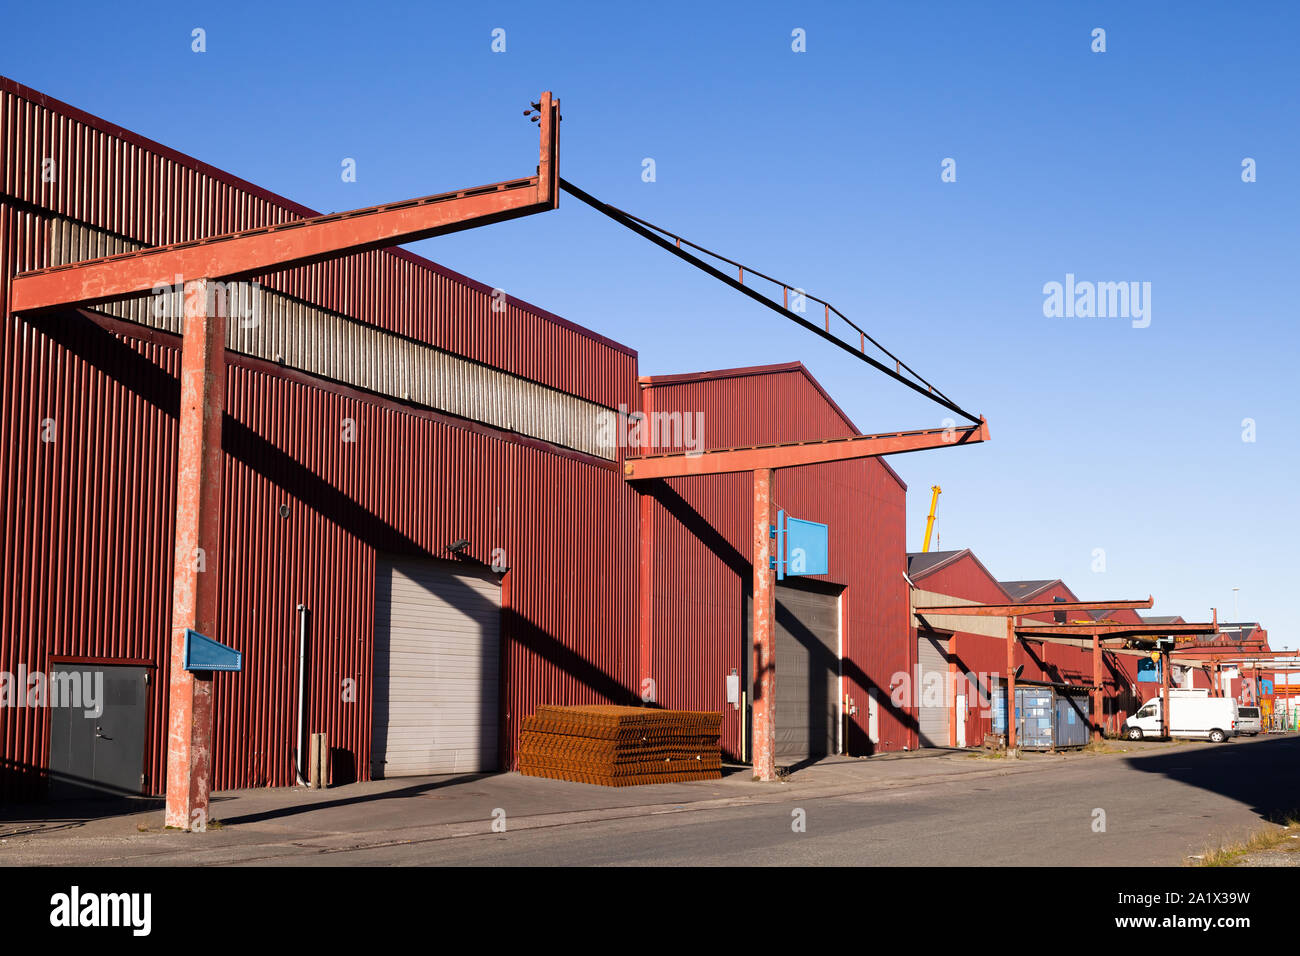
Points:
(1151, 633)
(196, 264)
(763, 461)
(1013, 611)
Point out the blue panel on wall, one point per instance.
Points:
(1148, 671)
(802, 547)
(204, 654)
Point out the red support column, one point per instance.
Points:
(951, 692)
(646, 571)
(1011, 683)
(1164, 693)
(764, 619)
(196, 559)
(1098, 699)
(646, 592)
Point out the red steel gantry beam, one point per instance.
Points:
(237, 255)
(794, 454)
(254, 252)
(1013, 611)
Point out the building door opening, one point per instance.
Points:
(808, 706)
(98, 720)
(437, 668)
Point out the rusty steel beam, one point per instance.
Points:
(196, 558)
(1015, 610)
(1233, 654)
(646, 569)
(1164, 694)
(794, 455)
(1097, 696)
(952, 683)
(1139, 631)
(1011, 684)
(763, 614)
(256, 252)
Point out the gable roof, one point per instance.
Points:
(682, 378)
(717, 373)
(1023, 590)
(921, 563)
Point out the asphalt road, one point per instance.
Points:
(1159, 807)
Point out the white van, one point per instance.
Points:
(1249, 721)
(1192, 713)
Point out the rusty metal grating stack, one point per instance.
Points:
(616, 746)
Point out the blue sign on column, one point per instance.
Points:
(202, 653)
(802, 547)
(1148, 671)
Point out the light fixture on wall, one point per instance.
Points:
(457, 546)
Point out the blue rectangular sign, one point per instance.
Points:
(204, 654)
(1148, 671)
(802, 547)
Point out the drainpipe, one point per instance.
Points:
(300, 748)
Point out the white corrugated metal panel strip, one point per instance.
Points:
(272, 326)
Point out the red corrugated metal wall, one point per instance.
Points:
(88, 548)
(701, 576)
(964, 577)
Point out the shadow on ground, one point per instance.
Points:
(1263, 774)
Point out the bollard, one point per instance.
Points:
(319, 768)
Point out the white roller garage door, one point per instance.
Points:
(437, 651)
(932, 709)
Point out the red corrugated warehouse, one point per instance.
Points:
(88, 467)
(399, 444)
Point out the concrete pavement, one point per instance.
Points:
(1160, 802)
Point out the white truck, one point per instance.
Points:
(1192, 713)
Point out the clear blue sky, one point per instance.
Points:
(823, 168)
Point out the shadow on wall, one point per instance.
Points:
(103, 350)
(859, 741)
(1264, 775)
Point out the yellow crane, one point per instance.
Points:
(929, 522)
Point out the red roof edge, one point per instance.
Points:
(957, 556)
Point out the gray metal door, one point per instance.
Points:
(98, 715)
(931, 695)
(437, 650)
(807, 674)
